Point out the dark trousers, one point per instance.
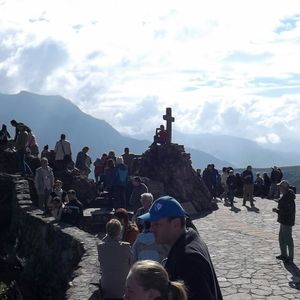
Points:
(286, 241)
(23, 167)
(119, 199)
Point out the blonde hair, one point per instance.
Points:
(151, 275)
(119, 160)
(113, 228)
(147, 196)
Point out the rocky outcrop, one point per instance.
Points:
(171, 165)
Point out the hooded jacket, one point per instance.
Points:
(287, 209)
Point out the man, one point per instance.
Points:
(18, 126)
(146, 201)
(248, 186)
(20, 145)
(44, 181)
(188, 259)
(128, 158)
(63, 153)
(231, 183)
(115, 260)
(276, 177)
(119, 183)
(73, 212)
(139, 188)
(286, 211)
(83, 161)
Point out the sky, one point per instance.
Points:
(225, 67)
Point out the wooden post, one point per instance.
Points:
(169, 119)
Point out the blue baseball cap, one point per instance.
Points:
(163, 207)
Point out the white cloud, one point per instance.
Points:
(272, 138)
(227, 67)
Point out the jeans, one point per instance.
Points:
(286, 241)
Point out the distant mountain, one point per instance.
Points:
(239, 151)
(49, 116)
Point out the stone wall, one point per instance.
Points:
(59, 261)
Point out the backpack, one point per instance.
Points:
(122, 175)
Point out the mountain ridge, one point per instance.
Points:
(49, 116)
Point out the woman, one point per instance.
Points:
(148, 280)
(129, 230)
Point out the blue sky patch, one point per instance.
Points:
(288, 24)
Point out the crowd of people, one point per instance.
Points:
(230, 184)
(162, 258)
(157, 253)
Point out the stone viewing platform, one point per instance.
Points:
(62, 260)
(243, 244)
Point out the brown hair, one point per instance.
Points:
(152, 275)
(122, 214)
(113, 228)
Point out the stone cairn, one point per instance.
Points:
(170, 165)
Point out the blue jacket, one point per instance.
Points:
(120, 176)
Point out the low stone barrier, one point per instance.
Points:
(59, 261)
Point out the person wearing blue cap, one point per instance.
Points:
(188, 259)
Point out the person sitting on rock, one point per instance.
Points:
(160, 135)
(73, 211)
(129, 229)
(57, 192)
(57, 209)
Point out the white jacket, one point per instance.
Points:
(62, 148)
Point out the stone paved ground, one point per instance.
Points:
(243, 244)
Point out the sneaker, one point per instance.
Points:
(281, 257)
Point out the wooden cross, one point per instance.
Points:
(168, 117)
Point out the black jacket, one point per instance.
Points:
(231, 182)
(189, 261)
(287, 209)
(247, 177)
